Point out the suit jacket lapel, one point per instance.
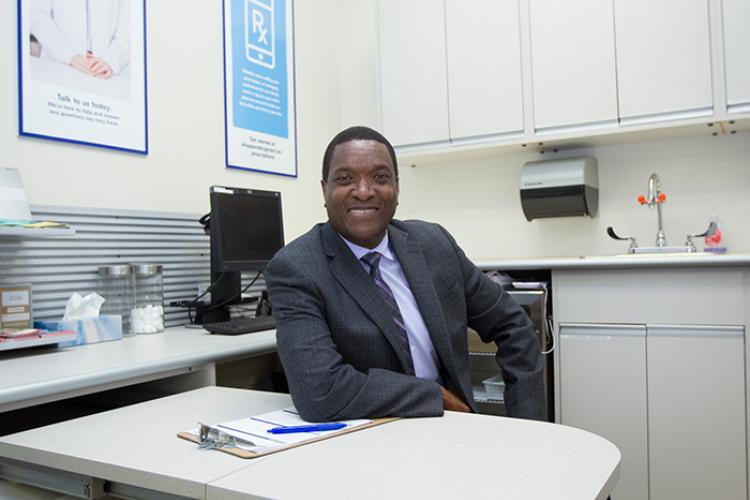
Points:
(418, 275)
(354, 279)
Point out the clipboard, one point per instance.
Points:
(300, 439)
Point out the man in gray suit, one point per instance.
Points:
(372, 312)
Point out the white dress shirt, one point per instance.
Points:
(423, 353)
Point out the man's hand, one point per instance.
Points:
(98, 66)
(452, 402)
(79, 63)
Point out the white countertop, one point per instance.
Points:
(138, 444)
(698, 259)
(32, 376)
(459, 455)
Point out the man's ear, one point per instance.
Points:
(323, 185)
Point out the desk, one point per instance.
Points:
(32, 377)
(456, 456)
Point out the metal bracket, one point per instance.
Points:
(75, 485)
(69, 483)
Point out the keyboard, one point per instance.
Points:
(238, 326)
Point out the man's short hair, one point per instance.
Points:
(357, 133)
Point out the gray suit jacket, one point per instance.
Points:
(339, 346)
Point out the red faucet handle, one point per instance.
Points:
(662, 197)
(641, 199)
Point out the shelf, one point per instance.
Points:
(481, 353)
(48, 339)
(489, 401)
(23, 232)
(574, 137)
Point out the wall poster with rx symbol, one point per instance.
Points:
(259, 86)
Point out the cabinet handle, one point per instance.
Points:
(696, 331)
(667, 116)
(601, 330)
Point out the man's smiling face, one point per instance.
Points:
(361, 192)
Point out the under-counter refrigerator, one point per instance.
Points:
(486, 376)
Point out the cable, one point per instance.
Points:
(190, 304)
(551, 334)
(550, 325)
(230, 299)
(209, 289)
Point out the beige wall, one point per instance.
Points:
(336, 87)
(186, 121)
(478, 201)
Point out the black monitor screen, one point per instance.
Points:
(246, 228)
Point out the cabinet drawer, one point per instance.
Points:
(708, 296)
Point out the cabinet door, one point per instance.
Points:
(484, 67)
(413, 81)
(736, 20)
(603, 390)
(696, 404)
(573, 63)
(663, 59)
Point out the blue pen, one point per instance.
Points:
(307, 428)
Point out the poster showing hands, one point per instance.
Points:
(259, 100)
(82, 67)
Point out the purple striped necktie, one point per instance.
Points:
(372, 259)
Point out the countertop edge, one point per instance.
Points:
(262, 343)
(615, 261)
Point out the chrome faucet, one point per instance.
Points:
(655, 197)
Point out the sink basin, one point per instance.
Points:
(655, 255)
(653, 250)
(671, 255)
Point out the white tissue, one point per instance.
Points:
(79, 307)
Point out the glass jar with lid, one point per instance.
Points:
(147, 315)
(116, 285)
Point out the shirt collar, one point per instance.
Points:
(383, 248)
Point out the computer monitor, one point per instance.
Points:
(246, 229)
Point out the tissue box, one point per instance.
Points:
(90, 331)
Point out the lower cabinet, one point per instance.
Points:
(603, 390)
(670, 397)
(696, 412)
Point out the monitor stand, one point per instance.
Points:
(228, 285)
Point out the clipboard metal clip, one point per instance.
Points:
(211, 438)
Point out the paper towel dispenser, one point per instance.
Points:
(560, 188)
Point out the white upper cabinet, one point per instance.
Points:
(663, 59)
(504, 72)
(484, 68)
(413, 81)
(573, 63)
(736, 20)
